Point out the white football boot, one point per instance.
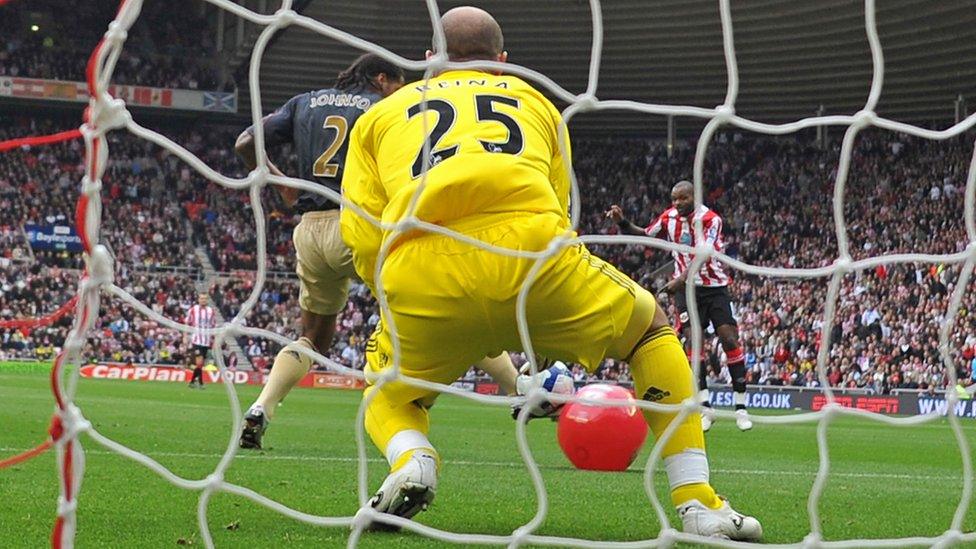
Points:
(742, 420)
(708, 417)
(723, 523)
(410, 489)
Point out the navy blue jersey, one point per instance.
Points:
(318, 124)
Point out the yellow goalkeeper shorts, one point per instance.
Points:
(453, 304)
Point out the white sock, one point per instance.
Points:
(687, 467)
(405, 441)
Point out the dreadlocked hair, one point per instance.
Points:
(361, 72)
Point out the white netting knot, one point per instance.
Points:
(558, 243)
(864, 118)
(363, 518)
(388, 375)
(948, 539)
(690, 405)
(952, 398)
(518, 536)
(234, 327)
(537, 395)
(285, 16)
(258, 177)
(811, 541)
(586, 102)
(72, 423)
(831, 409)
(214, 480)
(705, 249)
(437, 63)
(971, 249)
(73, 347)
(90, 187)
(116, 33)
(101, 267)
(668, 537)
(724, 113)
(66, 507)
(108, 113)
(408, 223)
(843, 264)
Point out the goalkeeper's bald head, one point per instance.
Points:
(472, 35)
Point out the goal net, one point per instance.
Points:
(106, 114)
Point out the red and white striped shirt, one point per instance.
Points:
(201, 317)
(681, 230)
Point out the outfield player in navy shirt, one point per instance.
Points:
(317, 125)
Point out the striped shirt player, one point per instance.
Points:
(200, 317)
(675, 227)
(677, 224)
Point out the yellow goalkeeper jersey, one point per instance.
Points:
(494, 151)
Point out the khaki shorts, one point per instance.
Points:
(324, 263)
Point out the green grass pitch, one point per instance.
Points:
(885, 481)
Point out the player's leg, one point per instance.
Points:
(684, 321)
(291, 365)
(661, 374)
(324, 267)
(439, 338)
(192, 366)
(614, 317)
(398, 425)
(200, 354)
(501, 369)
(728, 334)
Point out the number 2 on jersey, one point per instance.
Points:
(322, 168)
(446, 115)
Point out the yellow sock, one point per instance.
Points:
(397, 429)
(661, 374)
(290, 366)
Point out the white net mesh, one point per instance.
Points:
(107, 114)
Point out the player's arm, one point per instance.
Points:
(713, 233)
(676, 284)
(278, 127)
(361, 186)
(626, 226)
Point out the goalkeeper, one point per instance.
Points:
(317, 124)
(495, 173)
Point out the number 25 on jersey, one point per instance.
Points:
(447, 115)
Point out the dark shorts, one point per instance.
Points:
(201, 350)
(714, 306)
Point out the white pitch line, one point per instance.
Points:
(512, 465)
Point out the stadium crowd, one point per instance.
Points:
(275, 311)
(38, 187)
(775, 197)
(903, 195)
(169, 48)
